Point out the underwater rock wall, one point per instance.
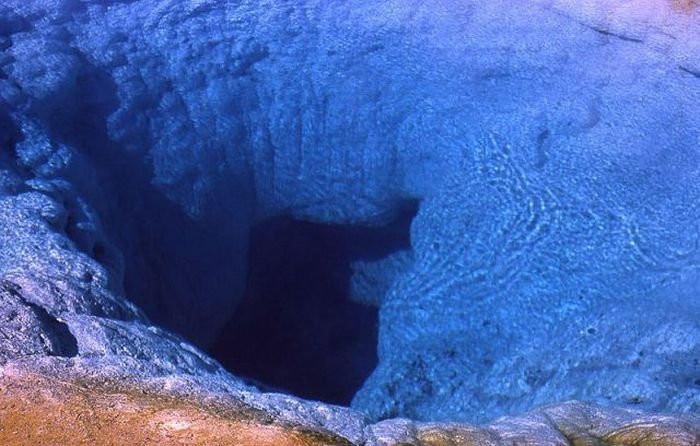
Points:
(552, 146)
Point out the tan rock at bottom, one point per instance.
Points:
(40, 410)
(37, 409)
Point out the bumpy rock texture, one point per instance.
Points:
(63, 408)
(553, 147)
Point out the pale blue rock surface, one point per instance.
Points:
(553, 147)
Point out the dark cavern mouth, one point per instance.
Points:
(289, 324)
(296, 329)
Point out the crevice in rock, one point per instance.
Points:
(174, 268)
(296, 329)
(43, 328)
(609, 33)
(690, 71)
(10, 135)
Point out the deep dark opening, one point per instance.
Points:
(296, 329)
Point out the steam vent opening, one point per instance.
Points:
(296, 329)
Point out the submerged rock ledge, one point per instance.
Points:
(54, 405)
